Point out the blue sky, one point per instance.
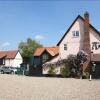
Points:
(42, 20)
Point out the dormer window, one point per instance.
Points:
(65, 46)
(75, 33)
(45, 57)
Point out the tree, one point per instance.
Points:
(27, 48)
(76, 63)
(72, 59)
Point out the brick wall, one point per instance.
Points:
(86, 40)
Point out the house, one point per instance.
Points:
(81, 35)
(43, 55)
(10, 58)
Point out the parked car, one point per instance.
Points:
(7, 69)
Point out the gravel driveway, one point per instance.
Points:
(13, 87)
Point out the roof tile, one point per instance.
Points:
(8, 54)
(51, 50)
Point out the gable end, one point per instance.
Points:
(73, 24)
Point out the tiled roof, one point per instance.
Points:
(51, 50)
(38, 51)
(2, 55)
(8, 54)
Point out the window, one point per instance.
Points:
(75, 33)
(65, 46)
(45, 57)
(95, 45)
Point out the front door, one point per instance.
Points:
(97, 71)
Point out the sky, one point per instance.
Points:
(45, 21)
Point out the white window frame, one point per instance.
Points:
(74, 34)
(65, 46)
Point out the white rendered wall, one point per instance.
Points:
(94, 37)
(76, 44)
(14, 62)
(18, 60)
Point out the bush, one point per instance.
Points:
(76, 63)
(52, 71)
(73, 65)
(85, 75)
(65, 72)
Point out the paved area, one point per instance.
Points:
(13, 87)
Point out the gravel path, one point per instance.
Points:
(13, 87)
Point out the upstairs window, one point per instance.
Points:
(95, 45)
(45, 57)
(75, 33)
(65, 46)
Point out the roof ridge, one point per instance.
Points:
(8, 50)
(51, 50)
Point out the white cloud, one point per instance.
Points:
(5, 44)
(39, 37)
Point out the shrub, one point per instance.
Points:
(73, 65)
(85, 75)
(65, 72)
(76, 63)
(52, 71)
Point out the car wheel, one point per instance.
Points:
(12, 72)
(2, 72)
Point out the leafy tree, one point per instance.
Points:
(72, 65)
(76, 63)
(82, 57)
(27, 48)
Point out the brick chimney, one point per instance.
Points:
(86, 40)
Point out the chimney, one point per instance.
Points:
(86, 40)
